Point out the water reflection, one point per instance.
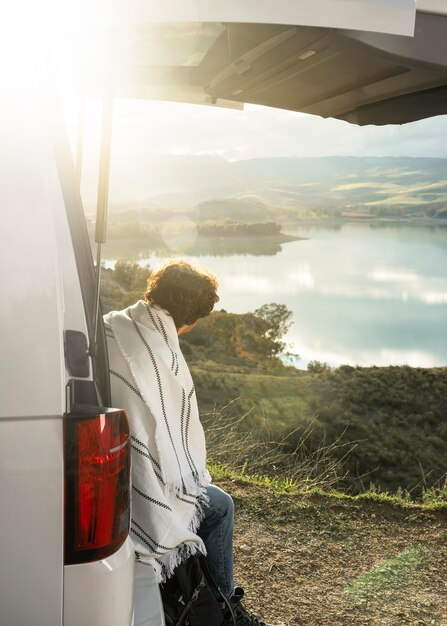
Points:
(187, 243)
(359, 295)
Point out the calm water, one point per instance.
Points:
(359, 294)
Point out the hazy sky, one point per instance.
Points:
(146, 128)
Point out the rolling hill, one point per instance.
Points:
(375, 184)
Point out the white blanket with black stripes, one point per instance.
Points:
(151, 381)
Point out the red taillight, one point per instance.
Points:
(97, 485)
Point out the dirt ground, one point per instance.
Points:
(319, 561)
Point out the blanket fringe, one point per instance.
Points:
(165, 565)
(199, 513)
(193, 484)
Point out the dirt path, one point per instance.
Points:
(316, 561)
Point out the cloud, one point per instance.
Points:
(256, 285)
(309, 353)
(381, 357)
(383, 275)
(413, 358)
(142, 128)
(302, 277)
(434, 297)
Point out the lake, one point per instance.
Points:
(361, 294)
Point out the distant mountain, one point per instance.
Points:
(180, 200)
(182, 182)
(144, 179)
(302, 169)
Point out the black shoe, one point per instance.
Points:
(243, 617)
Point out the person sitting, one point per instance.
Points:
(176, 511)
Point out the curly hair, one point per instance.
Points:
(186, 292)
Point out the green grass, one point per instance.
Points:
(395, 416)
(433, 500)
(276, 485)
(435, 497)
(394, 572)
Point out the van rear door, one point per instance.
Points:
(46, 271)
(32, 372)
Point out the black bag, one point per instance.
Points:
(189, 596)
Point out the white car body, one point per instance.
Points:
(41, 298)
(44, 270)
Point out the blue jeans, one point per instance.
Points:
(216, 531)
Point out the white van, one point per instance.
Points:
(66, 557)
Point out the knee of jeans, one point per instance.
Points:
(223, 502)
(229, 504)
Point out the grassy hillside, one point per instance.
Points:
(395, 415)
(392, 419)
(244, 209)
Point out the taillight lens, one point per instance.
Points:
(97, 485)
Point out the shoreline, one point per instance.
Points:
(341, 221)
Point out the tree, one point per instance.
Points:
(318, 367)
(131, 276)
(123, 286)
(279, 319)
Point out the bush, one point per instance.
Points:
(317, 367)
